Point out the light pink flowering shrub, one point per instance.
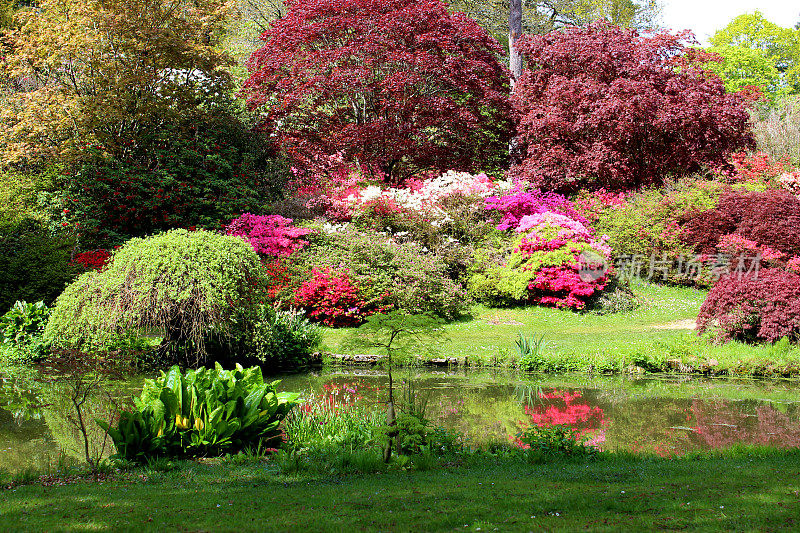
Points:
(791, 182)
(553, 261)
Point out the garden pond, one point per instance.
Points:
(663, 415)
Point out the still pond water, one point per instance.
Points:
(667, 416)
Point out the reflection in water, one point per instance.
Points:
(568, 408)
(664, 416)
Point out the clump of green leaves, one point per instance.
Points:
(555, 441)
(530, 349)
(202, 412)
(23, 322)
(21, 331)
(284, 339)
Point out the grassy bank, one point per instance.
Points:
(658, 336)
(754, 490)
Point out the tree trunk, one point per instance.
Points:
(514, 33)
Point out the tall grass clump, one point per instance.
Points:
(321, 423)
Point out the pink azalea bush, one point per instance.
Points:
(554, 261)
(271, 235)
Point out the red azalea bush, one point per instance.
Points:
(756, 168)
(277, 276)
(604, 107)
(92, 260)
(763, 306)
(271, 235)
(386, 83)
(593, 205)
(332, 299)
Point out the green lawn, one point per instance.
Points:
(752, 491)
(657, 336)
(491, 331)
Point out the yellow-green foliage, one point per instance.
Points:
(498, 281)
(182, 283)
(649, 223)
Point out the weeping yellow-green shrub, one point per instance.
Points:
(197, 289)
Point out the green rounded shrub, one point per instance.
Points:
(190, 287)
(405, 276)
(284, 339)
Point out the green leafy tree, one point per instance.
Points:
(109, 72)
(401, 337)
(742, 68)
(779, 45)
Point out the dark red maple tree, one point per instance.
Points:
(605, 107)
(396, 85)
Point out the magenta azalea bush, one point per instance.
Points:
(515, 205)
(271, 235)
(553, 260)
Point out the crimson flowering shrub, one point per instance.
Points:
(594, 205)
(271, 235)
(770, 218)
(92, 259)
(756, 307)
(515, 205)
(277, 277)
(553, 261)
(387, 83)
(332, 299)
(604, 107)
(755, 168)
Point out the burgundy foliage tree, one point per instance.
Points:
(604, 107)
(394, 85)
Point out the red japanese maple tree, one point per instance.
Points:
(605, 107)
(395, 85)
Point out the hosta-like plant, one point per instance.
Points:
(202, 412)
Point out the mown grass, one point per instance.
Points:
(749, 490)
(655, 337)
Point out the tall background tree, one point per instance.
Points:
(397, 85)
(543, 16)
(758, 52)
(134, 101)
(105, 72)
(603, 106)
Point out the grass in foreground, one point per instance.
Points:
(658, 336)
(753, 490)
